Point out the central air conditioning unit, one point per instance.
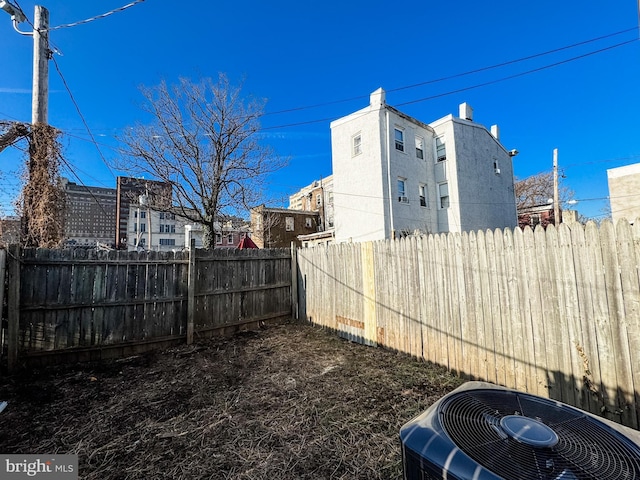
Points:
(484, 432)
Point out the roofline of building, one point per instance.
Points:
(470, 123)
(316, 235)
(370, 109)
(262, 208)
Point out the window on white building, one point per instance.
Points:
(496, 167)
(441, 150)
(399, 137)
(143, 214)
(357, 144)
(422, 190)
(402, 190)
(420, 147)
(143, 227)
(443, 190)
(168, 241)
(289, 225)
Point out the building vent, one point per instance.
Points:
(466, 111)
(484, 432)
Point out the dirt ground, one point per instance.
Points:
(289, 401)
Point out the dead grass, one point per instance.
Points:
(288, 402)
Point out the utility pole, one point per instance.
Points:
(41, 56)
(42, 195)
(556, 202)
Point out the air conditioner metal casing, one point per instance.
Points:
(429, 453)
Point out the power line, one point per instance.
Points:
(25, 15)
(70, 168)
(97, 17)
(462, 74)
(527, 72)
(82, 116)
(471, 87)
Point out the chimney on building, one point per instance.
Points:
(495, 131)
(466, 111)
(378, 98)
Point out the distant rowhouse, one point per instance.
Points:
(317, 197)
(394, 175)
(279, 227)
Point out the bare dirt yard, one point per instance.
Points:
(290, 401)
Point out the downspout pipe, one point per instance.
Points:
(389, 184)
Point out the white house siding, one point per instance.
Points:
(624, 185)
(366, 194)
(359, 181)
(411, 216)
(480, 197)
(171, 238)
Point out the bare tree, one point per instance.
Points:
(265, 225)
(537, 190)
(202, 141)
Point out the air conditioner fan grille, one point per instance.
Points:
(586, 448)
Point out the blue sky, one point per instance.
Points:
(334, 54)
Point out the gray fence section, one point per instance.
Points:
(72, 301)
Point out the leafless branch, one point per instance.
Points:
(202, 141)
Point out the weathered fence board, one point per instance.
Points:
(61, 300)
(554, 312)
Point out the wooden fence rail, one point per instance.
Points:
(554, 312)
(88, 304)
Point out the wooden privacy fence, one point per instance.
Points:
(85, 304)
(554, 312)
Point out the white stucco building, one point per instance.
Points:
(149, 229)
(624, 185)
(394, 175)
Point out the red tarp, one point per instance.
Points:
(246, 242)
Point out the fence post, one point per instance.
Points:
(191, 287)
(294, 281)
(13, 300)
(3, 283)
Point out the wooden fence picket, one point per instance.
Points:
(81, 304)
(554, 312)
